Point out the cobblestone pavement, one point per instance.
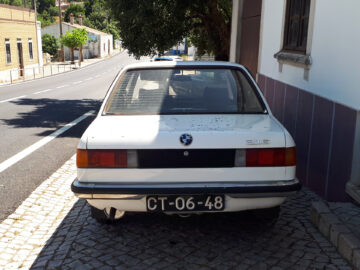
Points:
(349, 214)
(53, 230)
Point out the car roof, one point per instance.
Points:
(171, 64)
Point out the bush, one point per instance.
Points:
(50, 45)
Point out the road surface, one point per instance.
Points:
(32, 111)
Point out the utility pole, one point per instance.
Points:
(37, 36)
(62, 55)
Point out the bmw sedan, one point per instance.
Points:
(184, 138)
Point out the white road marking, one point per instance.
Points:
(97, 76)
(27, 151)
(77, 82)
(10, 99)
(88, 79)
(62, 86)
(43, 91)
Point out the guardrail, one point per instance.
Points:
(30, 73)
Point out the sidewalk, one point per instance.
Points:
(340, 224)
(52, 229)
(54, 68)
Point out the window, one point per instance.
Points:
(183, 91)
(296, 25)
(8, 51)
(31, 56)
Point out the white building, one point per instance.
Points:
(305, 56)
(100, 44)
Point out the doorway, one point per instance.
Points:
(20, 58)
(250, 35)
(108, 47)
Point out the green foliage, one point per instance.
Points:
(19, 3)
(75, 38)
(50, 44)
(45, 19)
(76, 10)
(112, 29)
(99, 17)
(44, 5)
(53, 11)
(148, 27)
(88, 5)
(47, 11)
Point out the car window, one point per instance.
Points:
(183, 91)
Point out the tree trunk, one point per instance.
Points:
(72, 55)
(81, 53)
(218, 30)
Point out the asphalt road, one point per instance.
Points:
(31, 111)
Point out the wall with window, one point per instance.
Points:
(333, 45)
(17, 26)
(311, 82)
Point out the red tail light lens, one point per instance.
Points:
(271, 157)
(101, 158)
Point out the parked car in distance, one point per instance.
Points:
(167, 58)
(184, 138)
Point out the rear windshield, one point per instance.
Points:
(183, 91)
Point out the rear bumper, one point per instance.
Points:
(258, 189)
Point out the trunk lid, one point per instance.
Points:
(164, 131)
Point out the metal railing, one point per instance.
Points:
(30, 73)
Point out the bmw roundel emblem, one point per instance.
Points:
(186, 139)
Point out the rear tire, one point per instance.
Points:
(106, 216)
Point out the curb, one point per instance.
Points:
(336, 232)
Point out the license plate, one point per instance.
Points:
(185, 203)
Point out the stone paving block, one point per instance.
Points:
(335, 231)
(326, 221)
(347, 243)
(356, 259)
(318, 208)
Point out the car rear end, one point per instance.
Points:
(193, 152)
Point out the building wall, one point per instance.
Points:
(94, 47)
(17, 23)
(334, 50)
(319, 104)
(105, 42)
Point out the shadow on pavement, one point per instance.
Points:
(216, 241)
(51, 114)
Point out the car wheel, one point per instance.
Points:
(268, 216)
(107, 215)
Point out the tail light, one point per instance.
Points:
(106, 158)
(265, 157)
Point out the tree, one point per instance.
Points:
(19, 3)
(148, 27)
(50, 44)
(75, 9)
(98, 16)
(44, 5)
(74, 39)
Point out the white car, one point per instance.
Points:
(184, 138)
